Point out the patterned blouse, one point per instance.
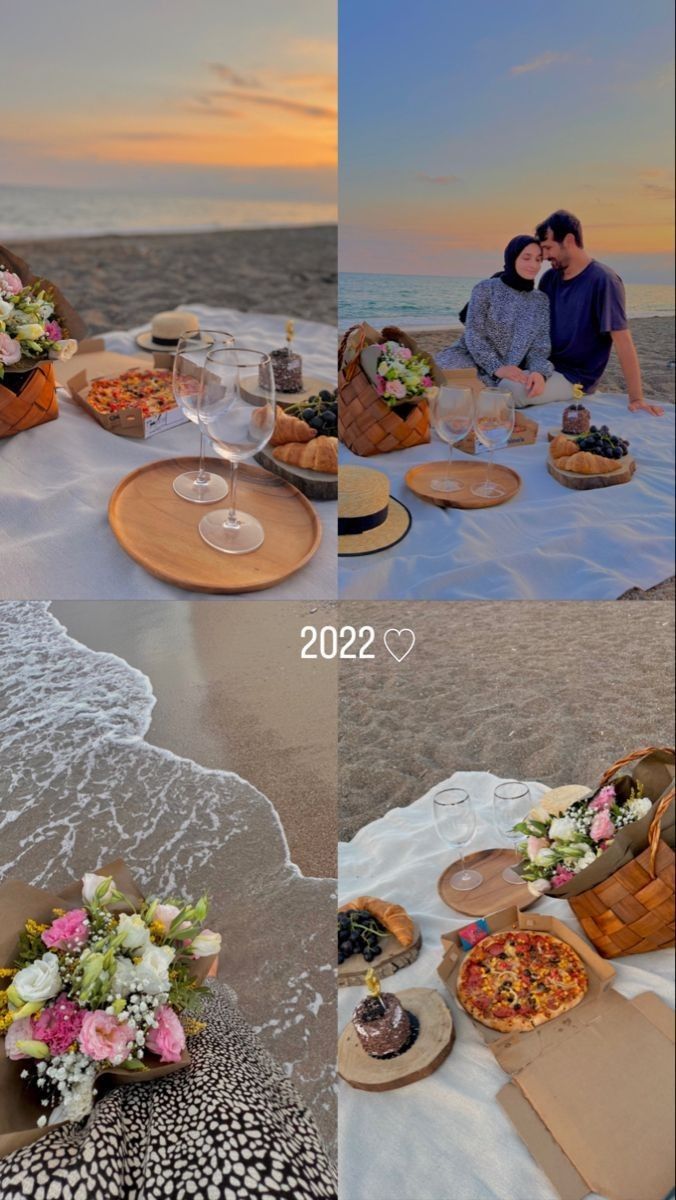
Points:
(504, 328)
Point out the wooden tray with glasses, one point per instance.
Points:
(491, 895)
(159, 530)
(468, 474)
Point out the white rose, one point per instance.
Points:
(155, 968)
(90, 885)
(5, 309)
(40, 981)
(205, 944)
(639, 807)
(165, 914)
(562, 829)
(63, 350)
(545, 858)
(30, 333)
(135, 930)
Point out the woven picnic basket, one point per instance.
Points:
(27, 399)
(632, 912)
(366, 424)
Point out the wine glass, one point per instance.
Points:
(452, 415)
(511, 803)
(192, 349)
(239, 423)
(493, 424)
(455, 822)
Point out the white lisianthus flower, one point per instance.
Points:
(30, 333)
(584, 860)
(6, 309)
(154, 967)
(44, 310)
(40, 981)
(165, 914)
(90, 885)
(63, 350)
(562, 829)
(638, 807)
(545, 858)
(135, 930)
(205, 944)
(383, 368)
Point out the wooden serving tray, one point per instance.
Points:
(316, 485)
(312, 385)
(393, 958)
(431, 1047)
(419, 479)
(159, 530)
(491, 895)
(585, 483)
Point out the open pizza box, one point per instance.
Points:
(591, 1092)
(92, 362)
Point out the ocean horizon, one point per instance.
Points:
(41, 213)
(434, 301)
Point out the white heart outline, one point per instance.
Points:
(399, 633)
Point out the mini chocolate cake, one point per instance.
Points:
(287, 369)
(576, 419)
(382, 1032)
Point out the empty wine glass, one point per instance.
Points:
(452, 411)
(238, 423)
(201, 487)
(455, 821)
(511, 803)
(493, 424)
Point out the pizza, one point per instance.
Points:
(150, 391)
(520, 978)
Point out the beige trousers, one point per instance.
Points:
(557, 387)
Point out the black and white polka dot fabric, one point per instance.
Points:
(229, 1127)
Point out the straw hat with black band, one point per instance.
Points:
(165, 330)
(369, 519)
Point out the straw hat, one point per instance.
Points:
(165, 330)
(368, 518)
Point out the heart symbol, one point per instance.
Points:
(402, 639)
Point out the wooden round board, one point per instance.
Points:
(491, 895)
(159, 530)
(394, 956)
(311, 385)
(419, 480)
(316, 485)
(585, 483)
(431, 1047)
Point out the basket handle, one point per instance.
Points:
(630, 758)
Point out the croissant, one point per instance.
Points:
(290, 429)
(392, 916)
(562, 447)
(584, 463)
(318, 455)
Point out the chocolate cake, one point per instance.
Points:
(576, 419)
(287, 369)
(383, 1026)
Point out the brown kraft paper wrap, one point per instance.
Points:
(19, 1103)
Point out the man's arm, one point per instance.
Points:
(626, 352)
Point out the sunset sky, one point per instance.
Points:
(462, 124)
(212, 97)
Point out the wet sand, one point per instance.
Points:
(541, 691)
(233, 694)
(116, 282)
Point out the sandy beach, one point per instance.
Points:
(654, 338)
(547, 692)
(118, 281)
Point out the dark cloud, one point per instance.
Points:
(281, 103)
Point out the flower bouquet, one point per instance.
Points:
(107, 987)
(37, 327)
(397, 374)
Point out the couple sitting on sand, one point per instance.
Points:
(539, 343)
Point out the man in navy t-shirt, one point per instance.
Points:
(587, 311)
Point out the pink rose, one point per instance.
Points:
(404, 352)
(380, 384)
(167, 1038)
(396, 388)
(59, 1024)
(534, 845)
(605, 798)
(563, 875)
(69, 932)
(10, 283)
(104, 1037)
(19, 1031)
(53, 331)
(427, 381)
(602, 826)
(10, 350)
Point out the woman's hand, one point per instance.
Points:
(534, 384)
(515, 374)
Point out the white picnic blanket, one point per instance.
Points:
(445, 1137)
(56, 480)
(548, 543)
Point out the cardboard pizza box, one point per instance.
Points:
(591, 1092)
(93, 361)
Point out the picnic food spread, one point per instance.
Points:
(149, 391)
(382, 1025)
(303, 442)
(391, 917)
(519, 979)
(567, 454)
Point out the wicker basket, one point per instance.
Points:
(632, 912)
(366, 424)
(27, 400)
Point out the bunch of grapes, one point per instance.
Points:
(602, 441)
(359, 933)
(319, 412)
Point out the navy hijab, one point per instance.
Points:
(509, 273)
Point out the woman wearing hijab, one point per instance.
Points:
(506, 334)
